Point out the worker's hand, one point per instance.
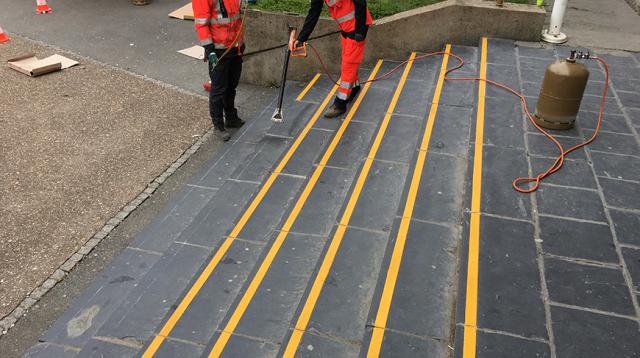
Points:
(293, 43)
(208, 49)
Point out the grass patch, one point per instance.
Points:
(378, 8)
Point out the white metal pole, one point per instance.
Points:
(554, 34)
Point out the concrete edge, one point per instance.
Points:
(9, 320)
(461, 22)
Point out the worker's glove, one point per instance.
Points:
(359, 37)
(208, 49)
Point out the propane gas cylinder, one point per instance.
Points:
(561, 93)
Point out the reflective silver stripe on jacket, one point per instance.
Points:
(218, 11)
(225, 20)
(206, 42)
(201, 21)
(224, 47)
(343, 96)
(331, 2)
(346, 17)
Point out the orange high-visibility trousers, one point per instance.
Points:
(352, 54)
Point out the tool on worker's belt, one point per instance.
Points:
(277, 115)
(213, 58)
(561, 93)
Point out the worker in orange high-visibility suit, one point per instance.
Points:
(219, 27)
(354, 20)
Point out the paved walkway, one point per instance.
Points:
(323, 238)
(610, 24)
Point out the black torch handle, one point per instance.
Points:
(283, 82)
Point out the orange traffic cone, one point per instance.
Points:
(3, 37)
(42, 7)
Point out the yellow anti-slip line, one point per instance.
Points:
(224, 248)
(327, 262)
(471, 304)
(309, 86)
(396, 257)
(241, 307)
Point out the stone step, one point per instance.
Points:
(217, 185)
(313, 224)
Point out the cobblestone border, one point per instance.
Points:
(635, 5)
(10, 320)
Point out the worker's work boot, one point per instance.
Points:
(335, 111)
(234, 122)
(140, 2)
(221, 134)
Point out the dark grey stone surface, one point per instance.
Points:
(501, 51)
(272, 209)
(588, 286)
(380, 197)
(259, 167)
(172, 348)
(403, 135)
(610, 122)
(219, 169)
(573, 203)
(173, 219)
(439, 199)
(400, 345)
(272, 308)
(451, 130)
(240, 347)
(46, 350)
(101, 349)
(509, 292)
(208, 309)
(216, 219)
(585, 334)
(490, 345)
(540, 145)
(351, 284)
(617, 193)
(354, 145)
(416, 97)
(320, 212)
(85, 317)
(503, 122)
(614, 143)
(309, 152)
(577, 239)
(500, 167)
(632, 259)
(316, 346)
(146, 306)
(627, 226)
(616, 166)
(424, 285)
(573, 173)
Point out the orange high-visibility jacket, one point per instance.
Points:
(218, 22)
(344, 12)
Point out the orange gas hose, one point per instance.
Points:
(559, 162)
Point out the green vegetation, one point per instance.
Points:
(378, 8)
